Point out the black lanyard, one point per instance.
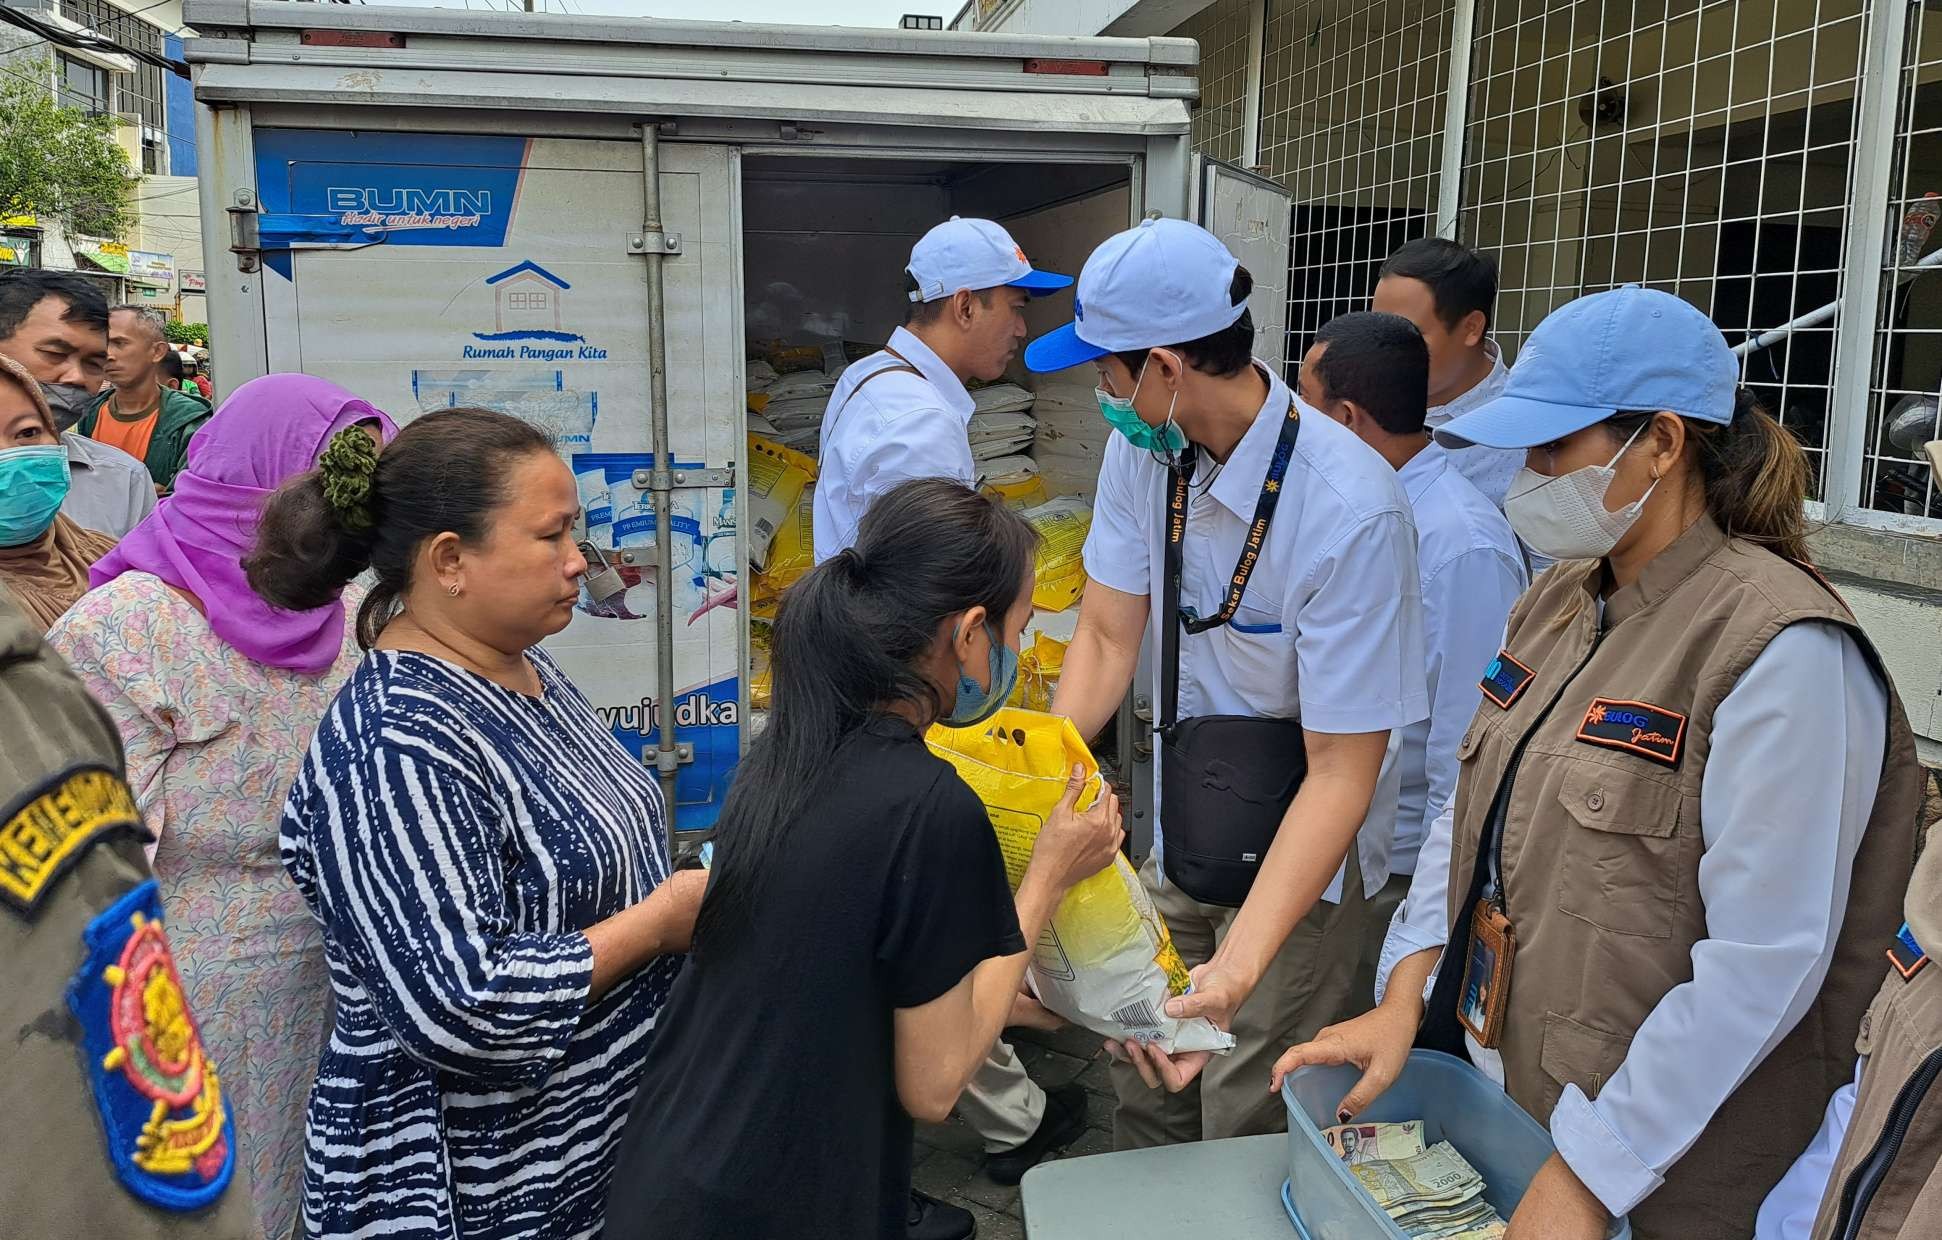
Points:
(1177, 618)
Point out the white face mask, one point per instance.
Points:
(1564, 517)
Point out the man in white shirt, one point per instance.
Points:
(56, 325)
(1370, 372)
(1450, 292)
(902, 412)
(1321, 637)
(899, 414)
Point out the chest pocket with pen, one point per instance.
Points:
(1226, 780)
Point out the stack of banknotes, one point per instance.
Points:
(1430, 1191)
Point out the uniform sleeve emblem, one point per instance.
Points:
(160, 1100)
(55, 826)
(1505, 679)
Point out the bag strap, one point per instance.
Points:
(906, 368)
(1175, 617)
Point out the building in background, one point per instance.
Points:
(1760, 158)
(159, 261)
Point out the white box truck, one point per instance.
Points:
(586, 221)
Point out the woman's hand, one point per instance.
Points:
(684, 889)
(1377, 1042)
(1075, 844)
(1028, 1013)
(661, 925)
(1558, 1206)
(1157, 1068)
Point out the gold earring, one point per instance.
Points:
(453, 589)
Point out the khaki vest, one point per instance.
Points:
(1900, 1032)
(1602, 847)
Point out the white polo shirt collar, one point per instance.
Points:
(1238, 485)
(1421, 471)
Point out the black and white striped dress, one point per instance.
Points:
(453, 838)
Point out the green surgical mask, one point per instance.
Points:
(33, 482)
(1165, 440)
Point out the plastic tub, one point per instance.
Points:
(1456, 1103)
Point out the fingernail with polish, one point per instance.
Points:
(1342, 1116)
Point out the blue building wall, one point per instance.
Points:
(179, 105)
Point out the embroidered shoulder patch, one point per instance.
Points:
(1636, 727)
(55, 825)
(1505, 680)
(1906, 954)
(161, 1103)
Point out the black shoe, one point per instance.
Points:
(931, 1219)
(1063, 1123)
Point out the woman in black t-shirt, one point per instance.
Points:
(858, 949)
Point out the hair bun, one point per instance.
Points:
(348, 470)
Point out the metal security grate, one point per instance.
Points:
(1221, 119)
(1352, 107)
(1905, 379)
(1701, 148)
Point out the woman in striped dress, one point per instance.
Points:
(484, 858)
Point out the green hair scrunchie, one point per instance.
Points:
(348, 469)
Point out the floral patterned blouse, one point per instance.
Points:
(214, 741)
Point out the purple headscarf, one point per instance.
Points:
(268, 431)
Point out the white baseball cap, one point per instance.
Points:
(975, 255)
(1164, 282)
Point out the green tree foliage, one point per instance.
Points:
(60, 163)
(176, 332)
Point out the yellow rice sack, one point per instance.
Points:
(1062, 526)
(1038, 673)
(1106, 961)
(1026, 493)
(776, 478)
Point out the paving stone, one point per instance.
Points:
(981, 1190)
(1054, 1069)
(954, 1136)
(1098, 1140)
(943, 1175)
(997, 1224)
(1098, 1079)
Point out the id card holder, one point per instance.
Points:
(1485, 995)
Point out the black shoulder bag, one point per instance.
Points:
(1225, 780)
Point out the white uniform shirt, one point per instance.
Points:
(899, 427)
(1330, 628)
(1774, 881)
(108, 490)
(1472, 571)
(1490, 469)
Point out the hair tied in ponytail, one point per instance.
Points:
(348, 470)
(852, 563)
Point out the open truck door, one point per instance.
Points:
(1253, 217)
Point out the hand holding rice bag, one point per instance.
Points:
(1106, 960)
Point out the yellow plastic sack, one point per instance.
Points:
(776, 478)
(793, 552)
(1062, 526)
(1029, 493)
(761, 680)
(1106, 961)
(1038, 673)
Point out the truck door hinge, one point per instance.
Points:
(244, 241)
(654, 243)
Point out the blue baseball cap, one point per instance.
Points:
(1630, 348)
(975, 255)
(1163, 282)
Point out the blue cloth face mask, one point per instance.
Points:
(1166, 439)
(975, 705)
(33, 482)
